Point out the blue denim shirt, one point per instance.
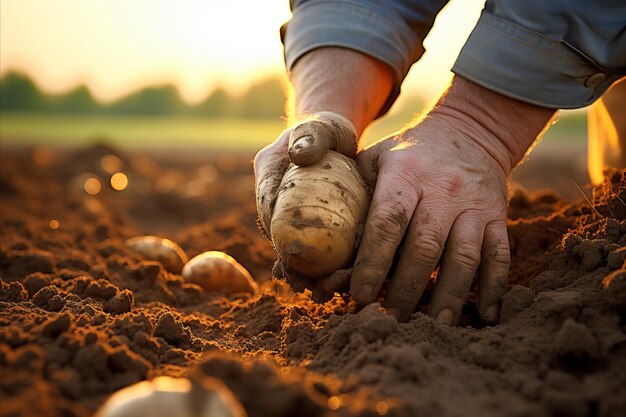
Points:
(553, 53)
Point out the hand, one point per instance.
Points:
(441, 198)
(304, 144)
(336, 92)
(436, 188)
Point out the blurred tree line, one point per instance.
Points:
(264, 99)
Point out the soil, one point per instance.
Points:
(82, 316)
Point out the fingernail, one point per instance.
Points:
(445, 316)
(302, 142)
(364, 294)
(492, 314)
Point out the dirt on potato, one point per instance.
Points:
(82, 316)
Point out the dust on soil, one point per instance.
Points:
(82, 316)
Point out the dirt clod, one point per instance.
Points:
(82, 316)
(575, 341)
(171, 329)
(120, 303)
(56, 325)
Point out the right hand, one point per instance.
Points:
(302, 144)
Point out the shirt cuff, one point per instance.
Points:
(355, 26)
(518, 62)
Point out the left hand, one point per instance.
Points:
(303, 144)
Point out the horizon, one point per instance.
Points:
(140, 88)
(203, 46)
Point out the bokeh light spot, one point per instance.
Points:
(119, 181)
(92, 186)
(169, 180)
(382, 408)
(334, 402)
(111, 163)
(192, 189)
(227, 162)
(208, 173)
(43, 157)
(54, 224)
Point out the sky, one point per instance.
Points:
(117, 46)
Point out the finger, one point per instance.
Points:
(419, 256)
(494, 271)
(459, 264)
(310, 140)
(270, 164)
(387, 220)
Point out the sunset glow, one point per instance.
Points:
(119, 181)
(117, 46)
(603, 141)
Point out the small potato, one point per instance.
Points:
(218, 271)
(165, 397)
(155, 248)
(318, 217)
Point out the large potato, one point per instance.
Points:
(319, 214)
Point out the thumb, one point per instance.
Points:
(310, 140)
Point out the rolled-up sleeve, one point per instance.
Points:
(556, 54)
(391, 31)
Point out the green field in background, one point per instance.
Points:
(136, 132)
(184, 132)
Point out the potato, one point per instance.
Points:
(218, 271)
(319, 215)
(165, 397)
(155, 248)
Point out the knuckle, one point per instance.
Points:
(428, 247)
(467, 254)
(370, 270)
(389, 224)
(500, 255)
(403, 167)
(451, 183)
(385, 230)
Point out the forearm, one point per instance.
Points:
(504, 126)
(340, 80)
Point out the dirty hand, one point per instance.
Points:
(436, 188)
(303, 144)
(440, 199)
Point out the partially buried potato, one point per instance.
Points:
(218, 271)
(168, 397)
(319, 215)
(154, 248)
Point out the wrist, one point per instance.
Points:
(505, 127)
(343, 81)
